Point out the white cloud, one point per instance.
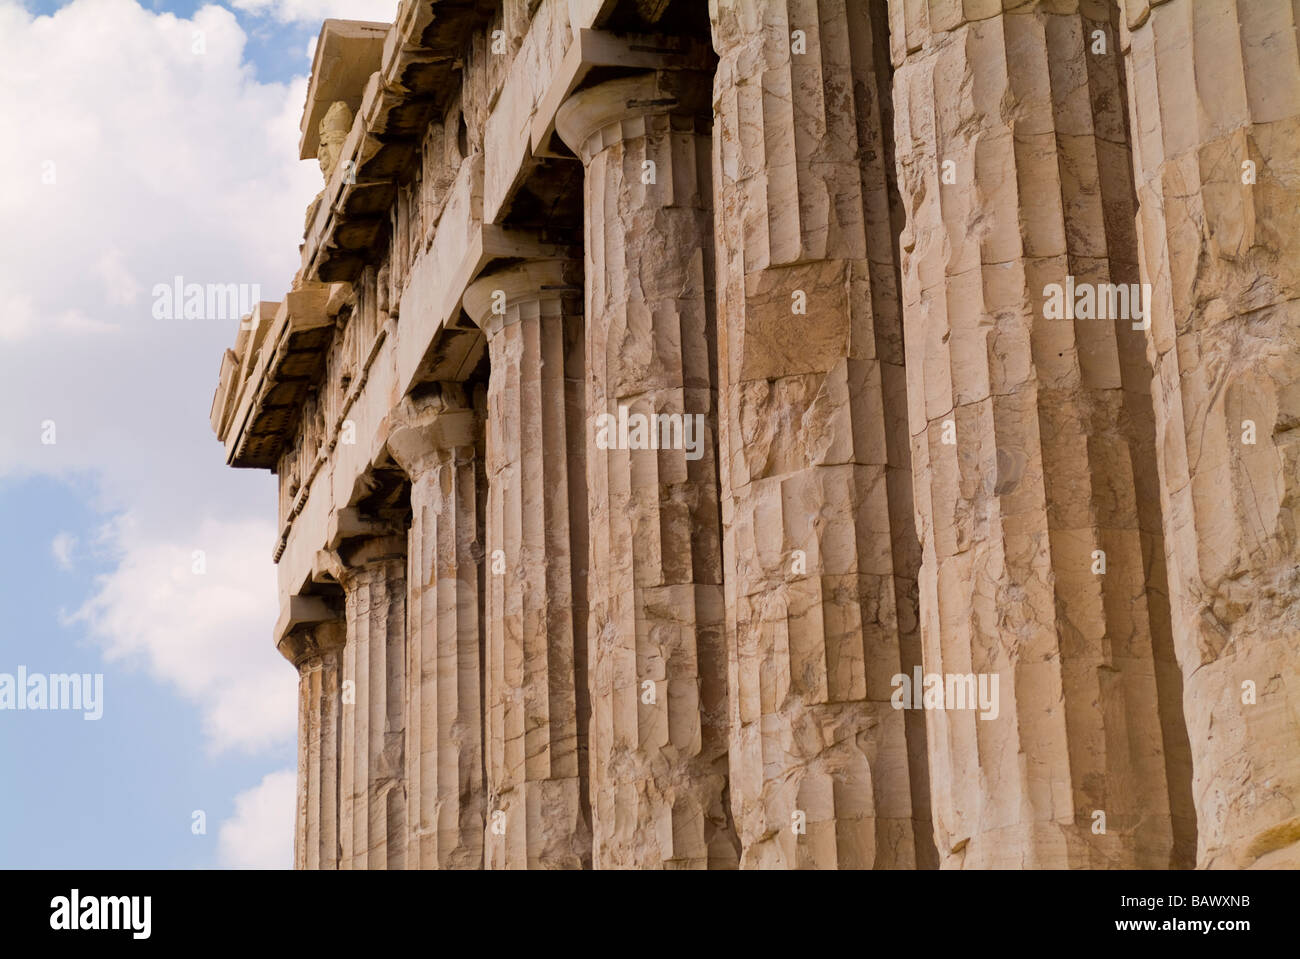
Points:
(198, 614)
(62, 547)
(18, 315)
(120, 287)
(169, 163)
(260, 834)
(313, 11)
(132, 159)
(74, 321)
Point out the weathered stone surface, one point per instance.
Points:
(316, 839)
(535, 683)
(657, 654)
(539, 624)
(373, 784)
(1030, 443)
(1214, 96)
(435, 446)
(821, 554)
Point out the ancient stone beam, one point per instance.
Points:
(436, 446)
(373, 788)
(536, 547)
(1040, 551)
(316, 651)
(816, 490)
(657, 662)
(1214, 97)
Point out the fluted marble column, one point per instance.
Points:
(373, 788)
(1214, 97)
(436, 447)
(317, 654)
(657, 652)
(536, 697)
(819, 540)
(1029, 452)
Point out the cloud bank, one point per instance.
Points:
(139, 147)
(260, 834)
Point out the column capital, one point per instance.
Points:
(530, 281)
(615, 110)
(426, 431)
(349, 523)
(308, 626)
(358, 556)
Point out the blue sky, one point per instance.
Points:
(129, 160)
(276, 49)
(115, 792)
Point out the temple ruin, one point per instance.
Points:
(970, 561)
